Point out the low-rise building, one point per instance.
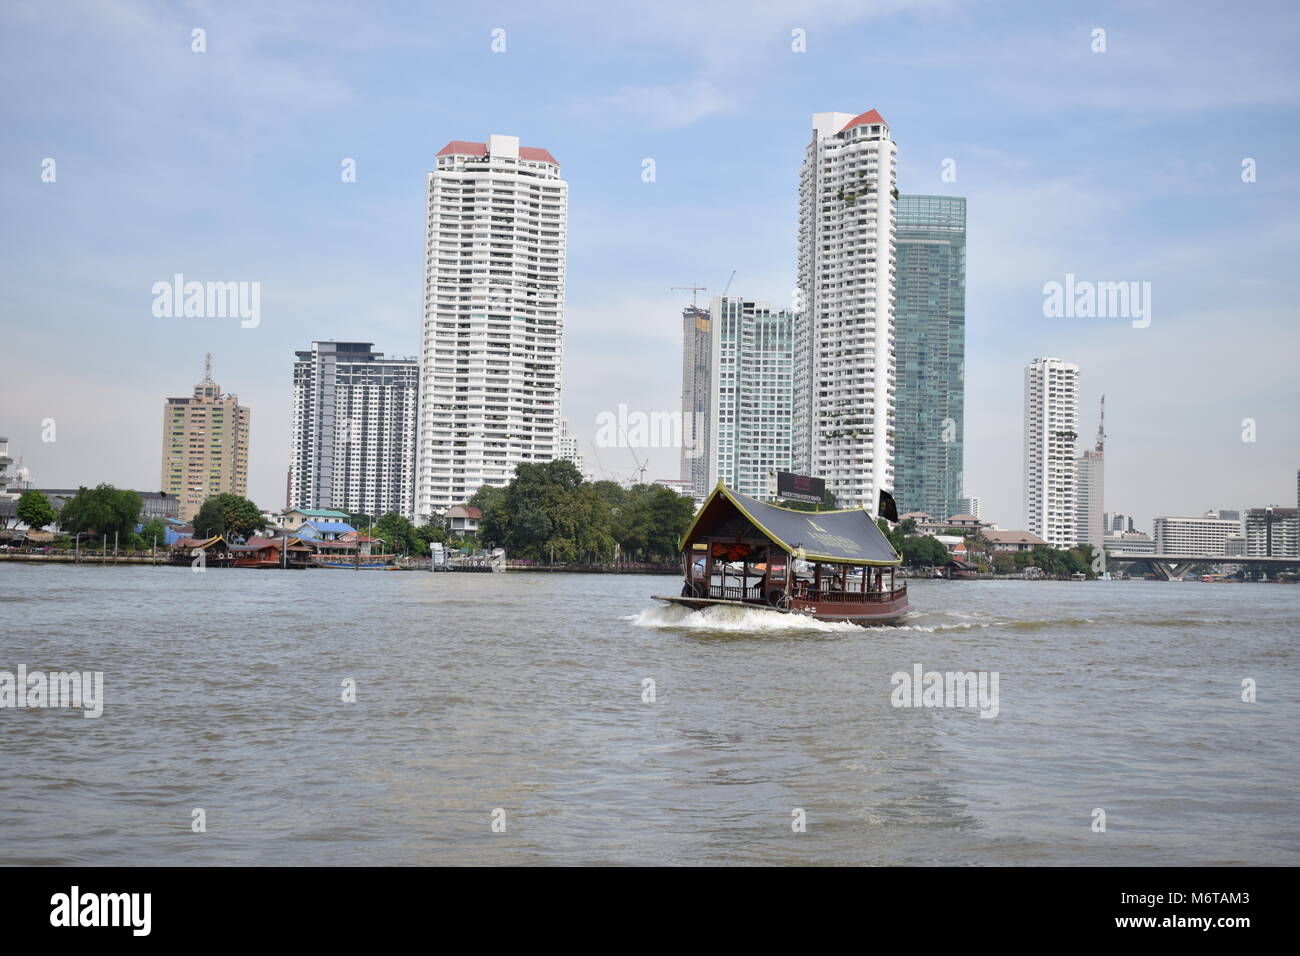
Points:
(1194, 536)
(324, 530)
(295, 518)
(462, 520)
(967, 524)
(1013, 540)
(1129, 542)
(1273, 533)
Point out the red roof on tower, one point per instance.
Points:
(458, 147)
(870, 116)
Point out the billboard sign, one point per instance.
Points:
(790, 487)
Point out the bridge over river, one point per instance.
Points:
(1169, 566)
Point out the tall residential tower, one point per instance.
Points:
(353, 430)
(204, 446)
(753, 378)
(844, 384)
(492, 352)
(1051, 435)
(930, 338)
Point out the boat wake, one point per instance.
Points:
(736, 619)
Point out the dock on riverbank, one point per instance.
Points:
(86, 557)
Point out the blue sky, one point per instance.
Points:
(1115, 166)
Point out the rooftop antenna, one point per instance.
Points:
(207, 370)
(692, 289)
(1101, 427)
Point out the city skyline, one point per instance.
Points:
(1130, 188)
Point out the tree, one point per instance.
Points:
(428, 533)
(231, 516)
(924, 551)
(35, 510)
(1004, 563)
(154, 530)
(651, 522)
(103, 510)
(398, 534)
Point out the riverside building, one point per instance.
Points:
(844, 378)
(1051, 434)
(492, 342)
(353, 430)
(930, 342)
(204, 445)
(1192, 536)
(753, 380)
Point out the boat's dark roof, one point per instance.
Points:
(841, 537)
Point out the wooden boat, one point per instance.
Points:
(828, 565)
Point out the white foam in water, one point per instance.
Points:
(743, 619)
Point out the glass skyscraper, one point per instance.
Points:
(930, 342)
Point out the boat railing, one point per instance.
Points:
(736, 592)
(824, 596)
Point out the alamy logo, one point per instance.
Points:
(627, 429)
(208, 300)
(923, 688)
(102, 909)
(65, 689)
(1098, 300)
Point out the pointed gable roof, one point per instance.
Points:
(870, 117)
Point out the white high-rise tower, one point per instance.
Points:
(1051, 435)
(844, 384)
(492, 353)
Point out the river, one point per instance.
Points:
(521, 700)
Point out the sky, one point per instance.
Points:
(1124, 165)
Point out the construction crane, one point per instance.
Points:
(603, 470)
(728, 285)
(638, 476)
(692, 289)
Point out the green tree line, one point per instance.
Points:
(549, 513)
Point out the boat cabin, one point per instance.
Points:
(833, 565)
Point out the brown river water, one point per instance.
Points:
(522, 700)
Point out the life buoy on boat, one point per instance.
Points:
(692, 590)
(778, 598)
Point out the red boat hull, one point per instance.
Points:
(886, 610)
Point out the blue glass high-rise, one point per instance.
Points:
(930, 346)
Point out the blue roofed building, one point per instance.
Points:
(324, 530)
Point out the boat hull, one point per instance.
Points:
(865, 613)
